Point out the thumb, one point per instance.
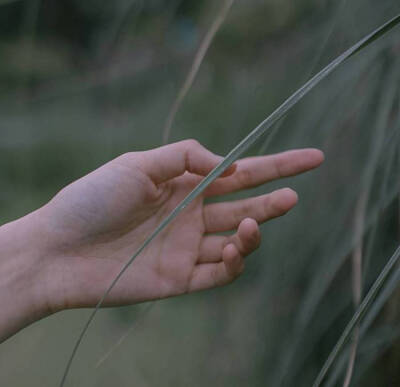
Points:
(172, 160)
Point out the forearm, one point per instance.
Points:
(22, 288)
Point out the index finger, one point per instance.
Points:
(254, 171)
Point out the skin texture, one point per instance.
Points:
(70, 250)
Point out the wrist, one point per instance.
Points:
(23, 283)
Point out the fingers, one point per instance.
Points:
(233, 265)
(210, 275)
(167, 162)
(254, 171)
(246, 240)
(227, 216)
(230, 263)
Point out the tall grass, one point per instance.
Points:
(364, 306)
(232, 156)
(100, 81)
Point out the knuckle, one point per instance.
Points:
(237, 215)
(125, 160)
(254, 242)
(126, 157)
(210, 220)
(130, 159)
(244, 210)
(190, 147)
(191, 143)
(215, 277)
(267, 207)
(244, 177)
(276, 207)
(277, 165)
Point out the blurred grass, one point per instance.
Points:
(88, 97)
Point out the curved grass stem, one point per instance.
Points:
(231, 157)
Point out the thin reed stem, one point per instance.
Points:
(194, 69)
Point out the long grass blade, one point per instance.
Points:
(198, 59)
(394, 279)
(384, 295)
(362, 202)
(327, 268)
(371, 348)
(358, 315)
(115, 346)
(232, 156)
(309, 73)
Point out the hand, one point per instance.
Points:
(66, 254)
(94, 225)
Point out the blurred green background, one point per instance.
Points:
(83, 81)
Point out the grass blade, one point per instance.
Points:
(194, 69)
(294, 354)
(387, 101)
(358, 315)
(393, 282)
(115, 346)
(314, 64)
(371, 348)
(362, 202)
(232, 156)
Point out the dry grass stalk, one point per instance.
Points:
(356, 260)
(194, 69)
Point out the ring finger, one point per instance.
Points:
(219, 217)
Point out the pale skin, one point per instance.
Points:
(65, 254)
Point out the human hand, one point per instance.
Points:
(96, 224)
(66, 254)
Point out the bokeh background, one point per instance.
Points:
(82, 82)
